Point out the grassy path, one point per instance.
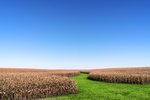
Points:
(95, 90)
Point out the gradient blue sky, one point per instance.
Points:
(74, 34)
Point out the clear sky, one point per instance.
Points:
(74, 34)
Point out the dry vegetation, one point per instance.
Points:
(122, 75)
(27, 84)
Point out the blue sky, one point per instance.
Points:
(74, 34)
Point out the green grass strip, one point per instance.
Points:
(96, 90)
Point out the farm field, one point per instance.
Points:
(99, 84)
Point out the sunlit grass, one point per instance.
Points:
(95, 90)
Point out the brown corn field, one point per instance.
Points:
(27, 84)
(122, 75)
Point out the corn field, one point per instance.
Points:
(27, 84)
(128, 76)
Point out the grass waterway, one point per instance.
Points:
(96, 90)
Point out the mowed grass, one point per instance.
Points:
(96, 90)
